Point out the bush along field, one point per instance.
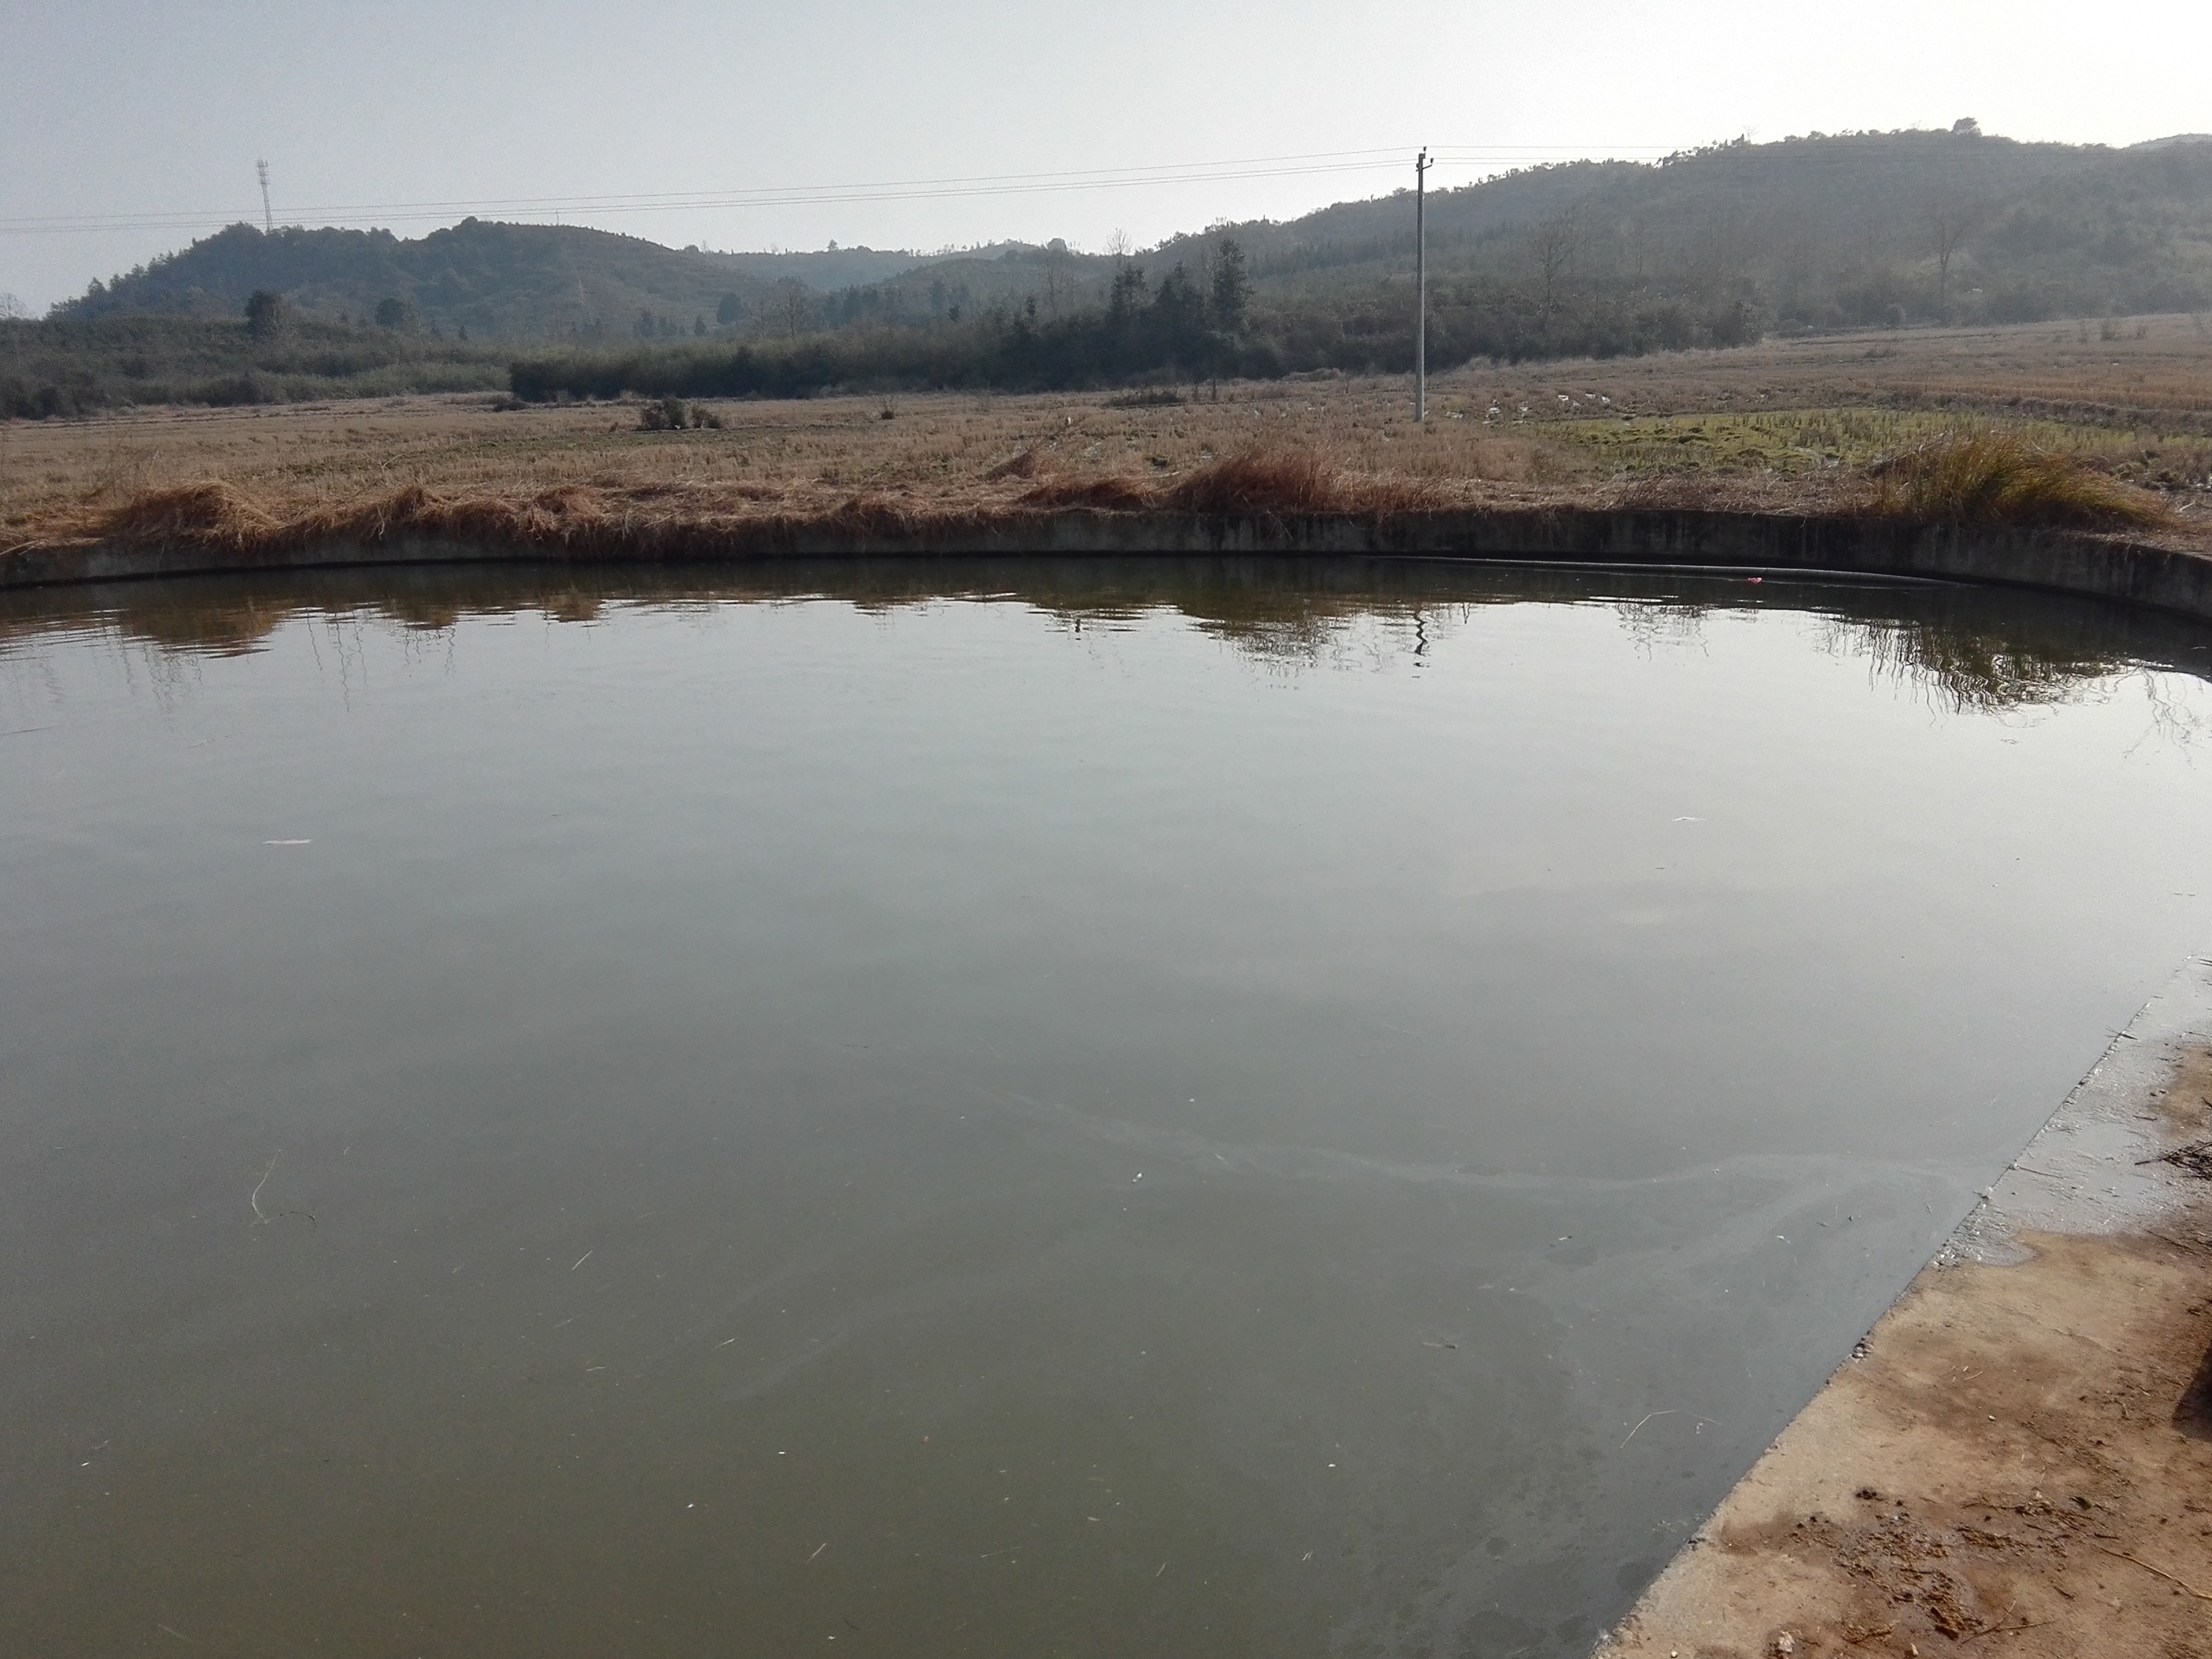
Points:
(63, 368)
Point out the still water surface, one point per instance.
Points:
(1221, 1109)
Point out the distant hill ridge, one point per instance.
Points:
(1827, 229)
(492, 279)
(1817, 231)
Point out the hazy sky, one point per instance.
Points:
(148, 117)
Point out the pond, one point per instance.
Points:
(1090, 1109)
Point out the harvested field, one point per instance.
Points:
(1788, 426)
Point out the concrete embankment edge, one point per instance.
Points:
(2066, 562)
(2019, 1455)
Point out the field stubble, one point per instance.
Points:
(1826, 424)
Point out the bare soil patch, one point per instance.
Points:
(2020, 1463)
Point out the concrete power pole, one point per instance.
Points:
(1421, 288)
(267, 219)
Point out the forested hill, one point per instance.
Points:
(1819, 230)
(526, 282)
(1713, 247)
(496, 281)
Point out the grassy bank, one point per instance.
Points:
(1977, 477)
(1803, 427)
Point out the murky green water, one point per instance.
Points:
(1091, 1109)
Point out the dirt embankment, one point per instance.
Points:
(2019, 1461)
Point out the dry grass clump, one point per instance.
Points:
(210, 514)
(1110, 492)
(1987, 477)
(1267, 478)
(617, 516)
(216, 514)
(1024, 463)
(1271, 478)
(1260, 478)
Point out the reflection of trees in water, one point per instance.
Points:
(202, 618)
(1984, 669)
(573, 604)
(2176, 722)
(1980, 649)
(1968, 670)
(1654, 622)
(1313, 630)
(1264, 611)
(1308, 634)
(183, 625)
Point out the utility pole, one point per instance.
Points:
(267, 219)
(1421, 288)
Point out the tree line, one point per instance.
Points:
(1182, 327)
(61, 368)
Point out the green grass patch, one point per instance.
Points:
(1796, 441)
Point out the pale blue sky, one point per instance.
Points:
(126, 110)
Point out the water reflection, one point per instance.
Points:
(1979, 648)
(1232, 1107)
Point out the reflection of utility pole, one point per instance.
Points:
(267, 219)
(1421, 288)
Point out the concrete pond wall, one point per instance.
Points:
(2136, 572)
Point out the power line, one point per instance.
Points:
(1313, 164)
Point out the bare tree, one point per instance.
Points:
(789, 304)
(1059, 276)
(1635, 252)
(1556, 243)
(1951, 219)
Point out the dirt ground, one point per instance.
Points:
(1781, 425)
(2020, 1463)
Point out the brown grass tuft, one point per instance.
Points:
(1263, 478)
(1106, 493)
(1999, 477)
(1022, 464)
(210, 513)
(1271, 478)
(1392, 492)
(873, 514)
